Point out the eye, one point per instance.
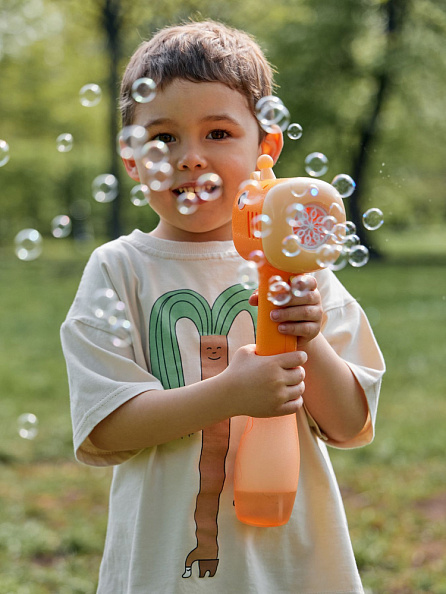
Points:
(218, 134)
(164, 137)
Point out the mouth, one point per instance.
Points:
(199, 191)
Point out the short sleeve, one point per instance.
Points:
(348, 331)
(101, 376)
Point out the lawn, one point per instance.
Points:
(53, 510)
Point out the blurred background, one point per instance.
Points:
(366, 81)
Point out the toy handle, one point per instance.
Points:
(267, 463)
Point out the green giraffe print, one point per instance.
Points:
(213, 325)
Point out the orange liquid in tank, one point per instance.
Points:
(272, 509)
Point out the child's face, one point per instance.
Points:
(208, 128)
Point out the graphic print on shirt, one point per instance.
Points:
(213, 325)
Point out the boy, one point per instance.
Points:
(168, 409)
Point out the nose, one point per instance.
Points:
(191, 158)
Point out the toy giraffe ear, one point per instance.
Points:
(272, 144)
(130, 165)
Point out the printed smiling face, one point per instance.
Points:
(208, 128)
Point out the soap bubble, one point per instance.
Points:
(210, 187)
(291, 246)
(258, 257)
(105, 187)
(328, 223)
(299, 187)
(270, 112)
(342, 259)
(350, 241)
(154, 153)
(130, 140)
(61, 226)
(373, 219)
(28, 244)
(279, 291)
(351, 227)
(336, 210)
(294, 131)
(316, 164)
(295, 214)
(300, 285)
(327, 254)
(138, 195)
(104, 302)
(144, 90)
(28, 426)
(64, 142)
(358, 256)
(248, 275)
(90, 95)
(250, 192)
(261, 225)
(187, 203)
(160, 177)
(121, 330)
(344, 184)
(4, 152)
(339, 232)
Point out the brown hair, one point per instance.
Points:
(199, 52)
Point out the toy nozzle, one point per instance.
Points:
(265, 163)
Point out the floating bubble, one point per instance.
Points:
(250, 192)
(300, 285)
(274, 115)
(373, 219)
(154, 153)
(61, 226)
(261, 225)
(295, 214)
(187, 203)
(248, 275)
(160, 177)
(263, 101)
(279, 291)
(351, 227)
(350, 241)
(4, 152)
(144, 90)
(327, 254)
(291, 246)
(339, 232)
(316, 164)
(28, 244)
(90, 95)
(130, 141)
(210, 187)
(138, 195)
(105, 187)
(105, 301)
(358, 256)
(328, 223)
(298, 188)
(64, 142)
(294, 131)
(342, 259)
(121, 331)
(258, 257)
(344, 184)
(28, 426)
(336, 210)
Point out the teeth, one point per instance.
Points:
(194, 189)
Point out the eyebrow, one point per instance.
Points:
(224, 117)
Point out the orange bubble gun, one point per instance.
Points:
(269, 215)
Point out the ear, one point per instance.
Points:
(129, 164)
(272, 144)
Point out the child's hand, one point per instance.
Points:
(265, 386)
(302, 316)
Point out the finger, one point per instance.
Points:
(254, 298)
(294, 376)
(302, 329)
(293, 359)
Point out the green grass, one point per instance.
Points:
(53, 510)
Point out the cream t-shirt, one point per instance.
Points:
(172, 526)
